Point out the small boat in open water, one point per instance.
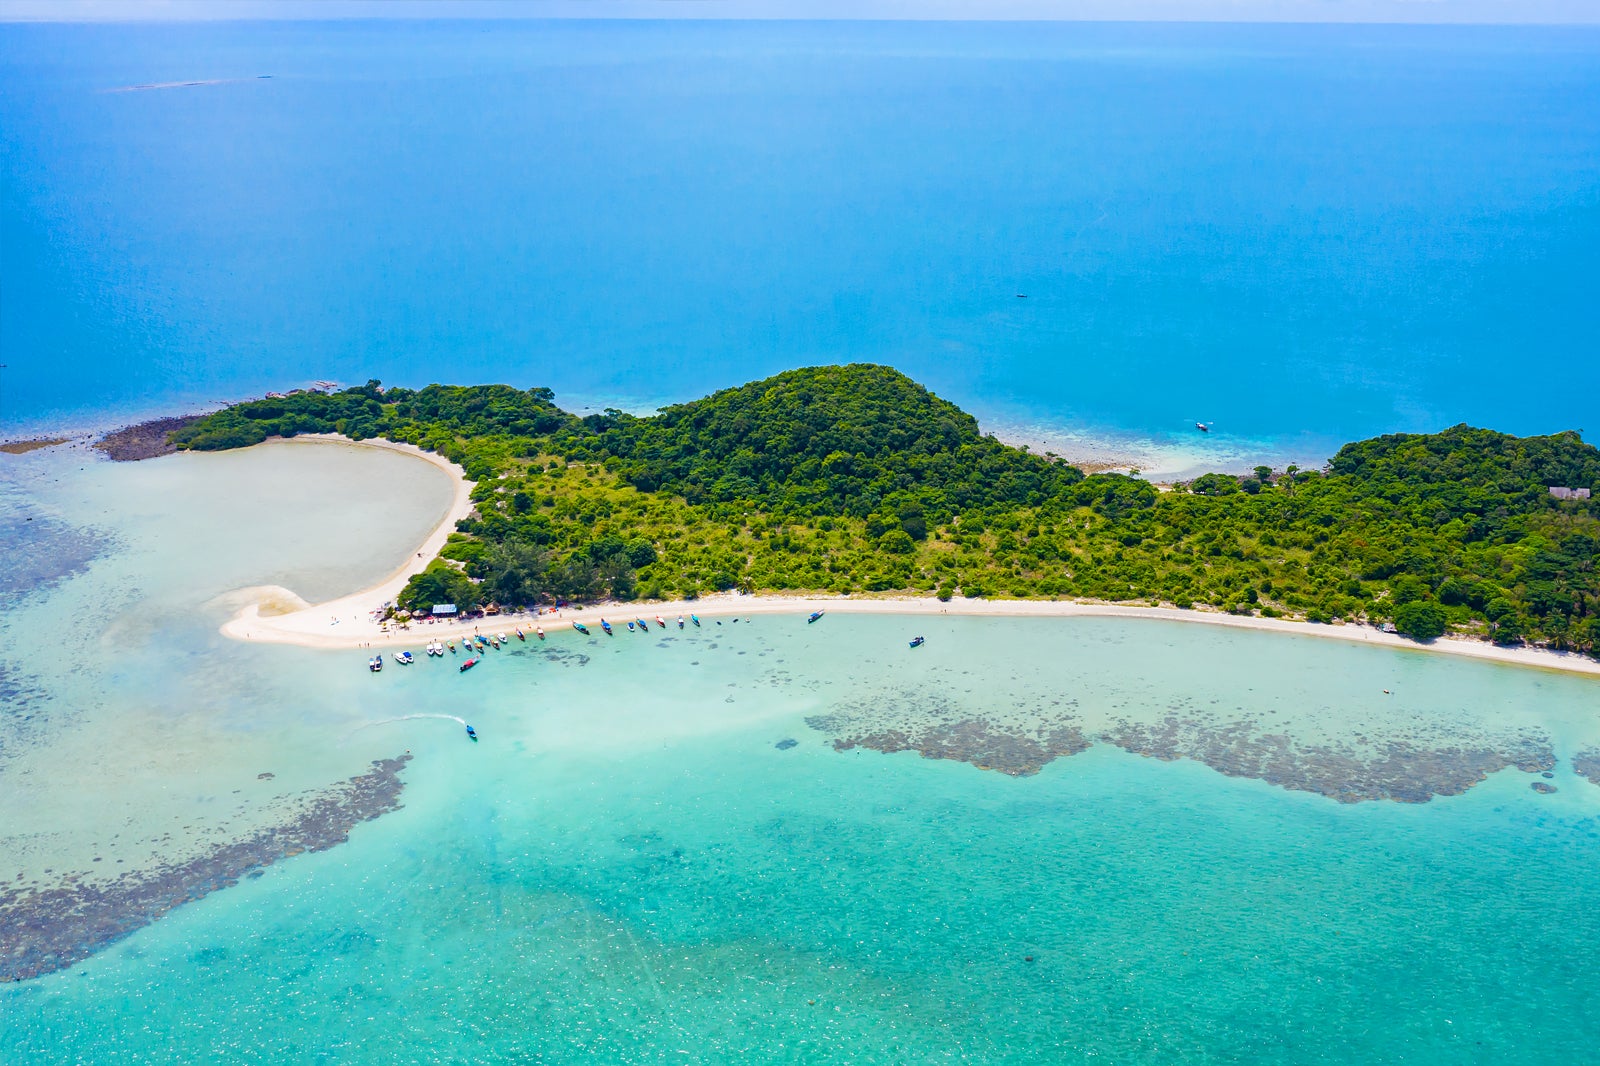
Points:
(472, 733)
(814, 616)
(581, 628)
(917, 642)
(468, 665)
(375, 664)
(404, 658)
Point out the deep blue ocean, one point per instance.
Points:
(1302, 234)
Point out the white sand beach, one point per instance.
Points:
(276, 615)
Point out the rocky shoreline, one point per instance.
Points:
(145, 440)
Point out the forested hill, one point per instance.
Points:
(840, 440)
(852, 478)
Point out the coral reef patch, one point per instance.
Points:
(45, 930)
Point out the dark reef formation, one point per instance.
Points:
(1393, 770)
(145, 440)
(1403, 770)
(1587, 764)
(978, 741)
(42, 931)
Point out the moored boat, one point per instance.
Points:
(814, 616)
(580, 627)
(680, 621)
(644, 627)
(605, 626)
(404, 658)
(468, 665)
(695, 619)
(540, 632)
(630, 628)
(375, 664)
(660, 623)
(451, 644)
(520, 635)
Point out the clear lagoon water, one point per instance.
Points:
(1305, 234)
(629, 868)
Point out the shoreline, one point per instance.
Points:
(345, 623)
(723, 605)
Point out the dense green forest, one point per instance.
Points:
(855, 478)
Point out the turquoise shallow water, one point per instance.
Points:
(628, 869)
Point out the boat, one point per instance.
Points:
(606, 626)
(494, 642)
(1202, 427)
(814, 616)
(660, 623)
(917, 642)
(375, 664)
(505, 640)
(451, 644)
(540, 632)
(404, 658)
(644, 627)
(581, 628)
(471, 732)
(435, 648)
(630, 628)
(521, 635)
(680, 621)
(468, 665)
(695, 619)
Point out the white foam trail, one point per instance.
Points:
(404, 718)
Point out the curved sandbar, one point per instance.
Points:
(290, 620)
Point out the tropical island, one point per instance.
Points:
(855, 479)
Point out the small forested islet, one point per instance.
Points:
(855, 479)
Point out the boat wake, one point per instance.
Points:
(404, 718)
